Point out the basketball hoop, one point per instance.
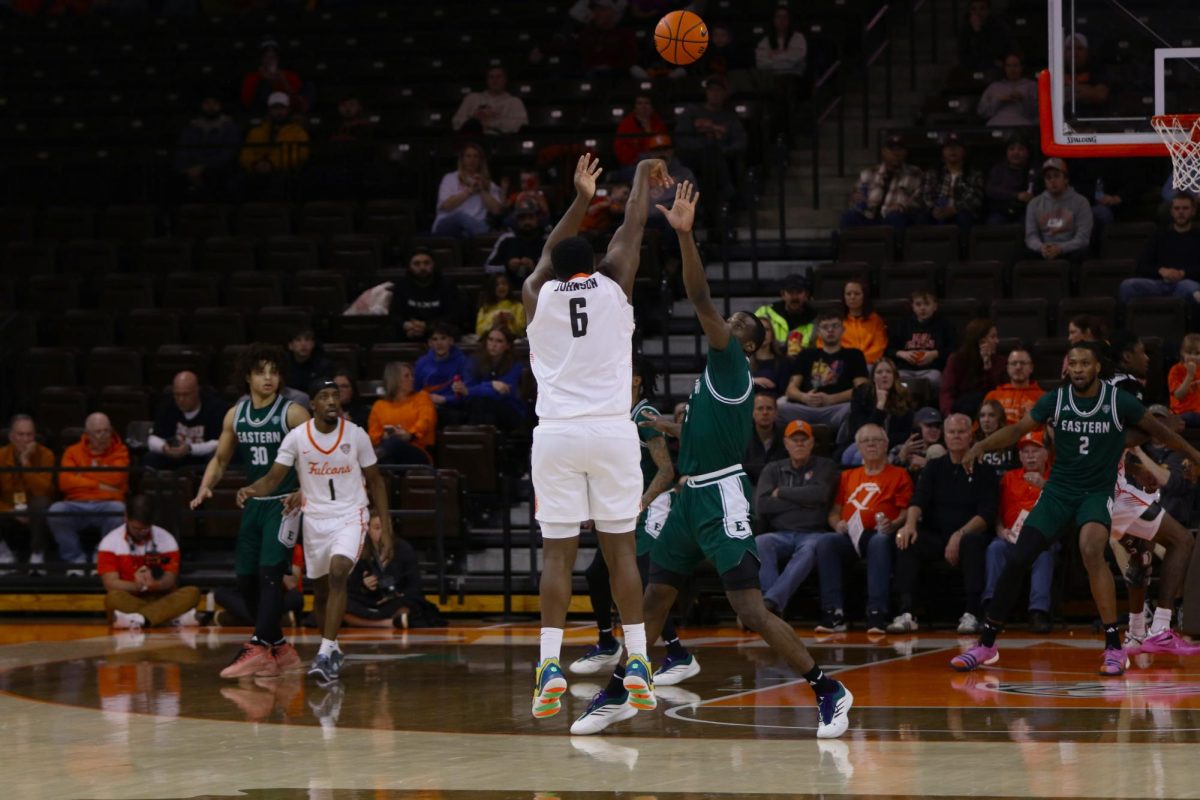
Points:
(1181, 134)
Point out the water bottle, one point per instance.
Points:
(880, 520)
(1099, 189)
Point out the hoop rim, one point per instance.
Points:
(1184, 119)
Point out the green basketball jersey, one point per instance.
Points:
(641, 412)
(1089, 436)
(720, 415)
(259, 434)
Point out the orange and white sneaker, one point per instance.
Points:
(252, 659)
(286, 657)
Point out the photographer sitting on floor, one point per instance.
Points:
(386, 594)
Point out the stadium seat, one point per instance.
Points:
(87, 327)
(1103, 277)
(1003, 243)
(61, 407)
(1164, 317)
(164, 256)
(196, 221)
(171, 359)
(893, 309)
(355, 254)
(1048, 355)
(278, 324)
(47, 366)
(447, 251)
(149, 329)
(263, 220)
(188, 290)
(1047, 279)
(900, 279)
(216, 327)
(123, 292)
(289, 255)
(253, 290)
(978, 279)
(471, 451)
(828, 280)
(323, 292)
(30, 258)
(936, 243)
(1023, 319)
(91, 258)
(1103, 307)
(127, 224)
(873, 245)
(64, 224)
(384, 353)
(321, 220)
(362, 330)
(17, 225)
(344, 356)
(116, 366)
(1125, 239)
(958, 311)
(228, 254)
(50, 294)
(393, 221)
(419, 492)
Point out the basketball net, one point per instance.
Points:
(1181, 135)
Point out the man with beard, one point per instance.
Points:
(516, 253)
(422, 297)
(790, 317)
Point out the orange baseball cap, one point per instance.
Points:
(1035, 438)
(798, 426)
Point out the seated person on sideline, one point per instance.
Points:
(868, 508)
(139, 565)
(955, 511)
(920, 344)
(1058, 222)
(234, 613)
(823, 378)
(792, 499)
(442, 367)
(1182, 383)
(98, 498)
(882, 401)
(387, 594)
(29, 493)
(1021, 392)
(791, 318)
(491, 387)
(923, 445)
(1169, 264)
(766, 445)
(403, 423)
(187, 426)
(1019, 491)
(887, 194)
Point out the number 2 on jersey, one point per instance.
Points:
(1084, 444)
(579, 319)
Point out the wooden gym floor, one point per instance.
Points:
(444, 715)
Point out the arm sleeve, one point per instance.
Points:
(366, 453)
(68, 480)
(206, 448)
(948, 391)
(446, 188)
(762, 54)
(904, 492)
(156, 443)
(289, 449)
(856, 361)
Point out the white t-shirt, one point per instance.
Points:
(581, 349)
(329, 466)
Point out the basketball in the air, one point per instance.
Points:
(681, 37)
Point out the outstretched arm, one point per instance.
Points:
(1002, 439)
(587, 169)
(226, 448)
(264, 485)
(682, 216)
(1169, 438)
(625, 250)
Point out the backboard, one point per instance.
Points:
(1114, 64)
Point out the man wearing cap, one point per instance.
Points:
(1011, 101)
(950, 519)
(790, 317)
(1019, 491)
(1058, 222)
(952, 194)
(1083, 80)
(792, 498)
(492, 111)
(924, 445)
(277, 144)
(1021, 392)
(1010, 183)
(1169, 264)
(516, 253)
(886, 194)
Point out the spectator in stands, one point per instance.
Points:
(1011, 101)
(1019, 491)
(1182, 383)
(791, 318)
(493, 111)
(1177, 490)
(492, 388)
(784, 50)
(187, 426)
(306, 359)
(973, 370)
(276, 146)
(528, 193)
(1169, 264)
(605, 47)
(387, 594)
(466, 196)
(1084, 80)
(724, 55)
(354, 124)
(955, 511)
(440, 371)
(353, 408)
(766, 445)
(403, 423)
(1108, 183)
(792, 499)
(260, 86)
(499, 307)
(139, 565)
(234, 612)
(868, 508)
(661, 146)
(636, 129)
(95, 499)
(1084, 328)
(923, 445)
(607, 209)
(1021, 392)
(516, 253)
(991, 419)
(424, 295)
(581, 11)
(887, 194)
(953, 193)
(207, 151)
(862, 328)
(26, 493)
(920, 344)
(882, 401)
(823, 379)
(769, 368)
(1010, 184)
(711, 134)
(1058, 222)
(983, 39)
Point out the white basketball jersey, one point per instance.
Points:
(329, 466)
(581, 348)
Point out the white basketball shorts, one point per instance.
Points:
(587, 469)
(333, 536)
(1134, 517)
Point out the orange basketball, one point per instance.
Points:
(681, 37)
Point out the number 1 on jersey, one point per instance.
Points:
(579, 320)
(332, 493)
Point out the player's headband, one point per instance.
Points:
(320, 385)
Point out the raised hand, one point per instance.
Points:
(587, 170)
(659, 176)
(682, 215)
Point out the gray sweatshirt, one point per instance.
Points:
(1065, 220)
(805, 495)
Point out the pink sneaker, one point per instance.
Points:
(252, 659)
(1167, 642)
(1115, 663)
(978, 656)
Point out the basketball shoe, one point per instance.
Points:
(978, 656)
(1168, 642)
(327, 668)
(253, 659)
(833, 712)
(602, 712)
(640, 684)
(598, 658)
(1114, 664)
(676, 670)
(286, 657)
(549, 684)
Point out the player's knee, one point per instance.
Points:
(340, 568)
(1091, 549)
(748, 605)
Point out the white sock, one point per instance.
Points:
(1137, 623)
(551, 643)
(328, 646)
(635, 639)
(1161, 621)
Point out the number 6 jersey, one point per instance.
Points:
(330, 467)
(581, 349)
(259, 433)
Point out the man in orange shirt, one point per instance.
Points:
(868, 509)
(1021, 392)
(28, 493)
(1182, 383)
(92, 499)
(1019, 490)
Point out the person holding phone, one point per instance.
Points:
(403, 422)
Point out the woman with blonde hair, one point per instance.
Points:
(403, 422)
(466, 196)
(882, 401)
